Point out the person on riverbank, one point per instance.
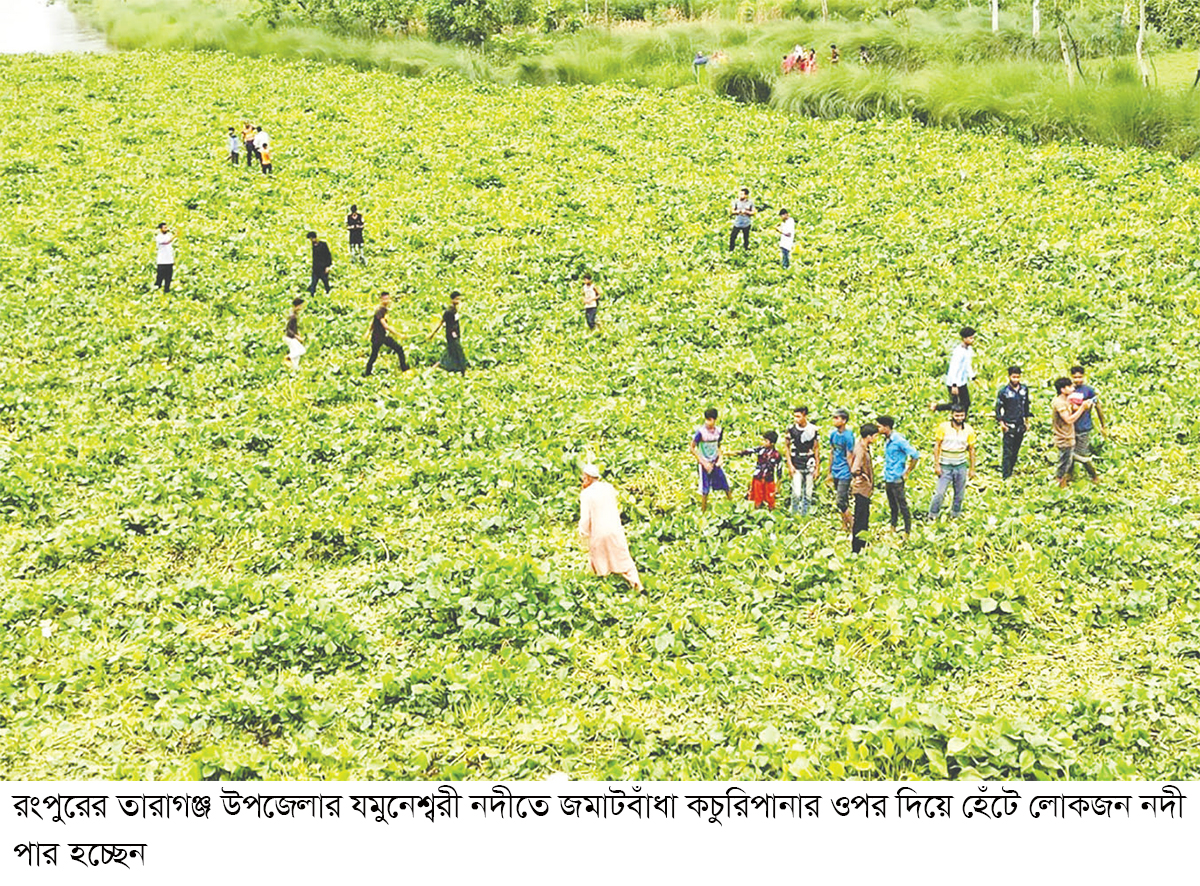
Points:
(1083, 427)
(234, 145)
(381, 333)
(705, 447)
(899, 458)
(164, 241)
(862, 471)
(841, 446)
(601, 530)
(742, 209)
(591, 302)
(453, 360)
(953, 460)
(266, 159)
(1013, 415)
(767, 467)
(355, 225)
(291, 336)
(804, 459)
(322, 263)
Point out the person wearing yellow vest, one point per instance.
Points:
(953, 460)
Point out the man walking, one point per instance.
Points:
(291, 336)
(743, 212)
(322, 262)
(953, 461)
(960, 373)
(165, 241)
(899, 458)
(1064, 417)
(1012, 414)
(1084, 427)
(863, 484)
(355, 225)
(381, 335)
(600, 527)
(804, 459)
(841, 445)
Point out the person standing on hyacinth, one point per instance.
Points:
(742, 211)
(1013, 414)
(454, 360)
(591, 301)
(355, 225)
(705, 447)
(960, 373)
(600, 528)
(234, 145)
(862, 471)
(953, 461)
(1083, 427)
(804, 459)
(767, 468)
(899, 458)
(164, 240)
(787, 237)
(841, 445)
(1064, 415)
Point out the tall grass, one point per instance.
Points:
(1030, 100)
(944, 68)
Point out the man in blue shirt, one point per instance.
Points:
(899, 458)
(1012, 414)
(1083, 427)
(841, 444)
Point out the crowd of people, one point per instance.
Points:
(851, 472)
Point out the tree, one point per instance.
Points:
(1179, 21)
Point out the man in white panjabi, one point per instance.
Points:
(600, 526)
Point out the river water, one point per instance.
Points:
(35, 26)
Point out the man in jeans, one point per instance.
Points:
(899, 458)
(953, 460)
(841, 445)
(1084, 427)
(742, 211)
(804, 459)
(322, 262)
(1065, 415)
(1012, 414)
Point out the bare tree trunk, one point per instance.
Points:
(824, 10)
(1126, 14)
(1066, 57)
(995, 16)
(1197, 80)
(1037, 19)
(1141, 42)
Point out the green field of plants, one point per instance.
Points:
(935, 62)
(213, 568)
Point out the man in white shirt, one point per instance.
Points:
(959, 376)
(165, 240)
(261, 140)
(787, 236)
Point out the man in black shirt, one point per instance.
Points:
(1012, 414)
(354, 224)
(322, 262)
(381, 335)
(804, 459)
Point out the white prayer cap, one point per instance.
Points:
(591, 471)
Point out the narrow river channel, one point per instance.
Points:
(36, 26)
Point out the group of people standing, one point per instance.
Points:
(852, 471)
(257, 144)
(804, 61)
